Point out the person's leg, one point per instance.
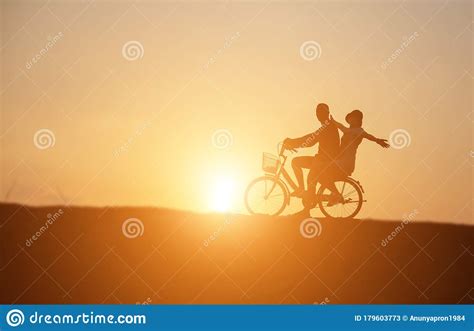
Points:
(336, 196)
(331, 187)
(298, 164)
(329, 172)
(312, 181)
(313, 177)
(320, 171)
(325, 173)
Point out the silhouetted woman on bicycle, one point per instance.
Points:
(350, 141)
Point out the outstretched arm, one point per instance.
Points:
(381, 142)
(340, 126)
(302, 142)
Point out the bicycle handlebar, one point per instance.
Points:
(283, 149)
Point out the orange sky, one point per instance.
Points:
(139, 131)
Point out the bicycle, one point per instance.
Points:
(270, 195)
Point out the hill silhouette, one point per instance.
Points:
(152, 255)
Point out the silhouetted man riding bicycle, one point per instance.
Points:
(328, 138)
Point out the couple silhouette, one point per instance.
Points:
(336, 156)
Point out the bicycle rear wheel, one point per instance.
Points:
(266, 195)
(351, 204)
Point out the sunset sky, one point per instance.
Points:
(171, 104)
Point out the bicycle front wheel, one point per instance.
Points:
(266, 196)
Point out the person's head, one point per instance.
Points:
(354, 118)
(322, 112)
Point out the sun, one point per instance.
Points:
(222, 194)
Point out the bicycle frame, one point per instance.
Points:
(282, 178)
(282, 171)
(292, 184)
(288, 181)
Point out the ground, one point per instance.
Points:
(90, 255)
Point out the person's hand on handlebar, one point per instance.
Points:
(287, 144)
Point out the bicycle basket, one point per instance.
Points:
(270, 163)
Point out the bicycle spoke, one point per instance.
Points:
(349, 193)
(276, 195)
(265, 196)
(352, 199)
(345, 210)
(343, 186)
